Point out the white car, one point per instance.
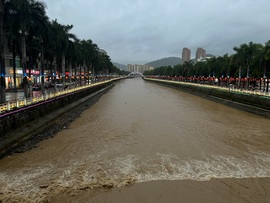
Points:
(59, 85)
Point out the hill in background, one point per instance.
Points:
(120, 66)
(169, 61)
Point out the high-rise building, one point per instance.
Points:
(139, 68)
(200, 54)
(186, 55)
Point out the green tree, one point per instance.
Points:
(12, 34)
(26, 13)
(2, 56)
(252, 49)
(187, 67)
(38, 33)
(240, 59)
(59, 40)
(266, 60)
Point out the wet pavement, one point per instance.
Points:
(19, 95)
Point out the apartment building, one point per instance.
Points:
(186, 54)
(200, 54)
(138, 68)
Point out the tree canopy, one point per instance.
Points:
(31, 35)
(250, 60)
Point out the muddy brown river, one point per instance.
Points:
(142, 142)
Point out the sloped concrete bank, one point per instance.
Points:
(253, 103)
(23, 128)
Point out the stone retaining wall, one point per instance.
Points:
(14, 119)
(248, 99)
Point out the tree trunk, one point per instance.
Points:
(51, 71)
(84, 72)
(42, 69)
(70, 75)
(2, 57)
(247, 86)
(80, 75)
(267, 85)
(264, 76)
(54, 72)
(75, 74)
(63, 69)
(25, 81)
(239, 81)
(14, 64)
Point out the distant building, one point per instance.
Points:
(200, 54)
(186, 53)
(139, 68)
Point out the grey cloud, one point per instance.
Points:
(145, 30)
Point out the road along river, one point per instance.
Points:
(142, 142)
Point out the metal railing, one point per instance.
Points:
(224, 88)
(19, 103)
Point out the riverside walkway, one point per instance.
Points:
(256, 102)
(17, 100)
(223, 88)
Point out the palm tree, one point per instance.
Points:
(65, 37)
(49, 50)
(2, 56)
(252, 49)
(43, 37)
(187, 66)
(78, 60)
(212, 68)
(12, 35)
(86, 56)
(70, 58)
(60, 41)
(240, 59)
(92, 56)
(38, 32)
(266, 58)
(27, 13)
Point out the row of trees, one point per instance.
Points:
(250, 60)
(31, 35)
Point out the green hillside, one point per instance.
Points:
(120, 66)
(169, 61)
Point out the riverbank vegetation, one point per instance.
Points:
(249, 64)
(36, 42)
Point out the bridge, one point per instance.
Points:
(135, 74)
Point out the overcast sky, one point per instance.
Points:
(140, 31)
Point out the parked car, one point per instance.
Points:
(36, 87)
(59, 85)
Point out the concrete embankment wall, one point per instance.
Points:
(18, 124)
(253, 103)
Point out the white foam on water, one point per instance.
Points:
(170, 167)
(105, 171)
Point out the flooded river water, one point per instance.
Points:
(157, 139)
